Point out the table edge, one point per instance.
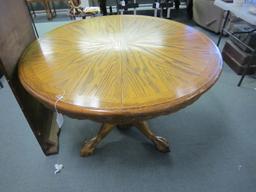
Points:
(108, 114)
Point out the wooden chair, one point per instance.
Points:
(163, 5)
(14, 38)
(75, 10)
(124, 5)
(48, 6)
(78, 11)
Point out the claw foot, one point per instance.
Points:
(161, 144)
(88, 148)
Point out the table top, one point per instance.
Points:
(241, 12)
(117, 66)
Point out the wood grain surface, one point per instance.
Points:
(116, 67)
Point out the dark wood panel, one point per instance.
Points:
(16, 33)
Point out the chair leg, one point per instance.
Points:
(161, 12)
(47, 10)
(54, 9)
(244, 73)
(110, 10)
(155, 12)
(168, 13)
(242, 78)
(223, 27)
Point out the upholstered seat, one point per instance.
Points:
(207, 15)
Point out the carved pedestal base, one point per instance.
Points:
(124, 127)
(160, 143)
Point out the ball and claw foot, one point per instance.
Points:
(161, 144)
(90, 145)
(88, 148)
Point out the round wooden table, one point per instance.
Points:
(121, 71)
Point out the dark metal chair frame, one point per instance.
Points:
(252, 50)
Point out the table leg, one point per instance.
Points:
(47, 10)
(223, 27)
(54, 9)
(243, 75)
(89, 146)
(161, 143)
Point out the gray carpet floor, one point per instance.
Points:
(213, 144)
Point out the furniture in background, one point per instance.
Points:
(177, 4)
(14, 38)
(190, 9)
(124, 5)
(163, 5)
(75, 10)
(32, 19)
(48, 6)
(207, 15)
(121, 8)
(158, 5)
(119, 71)
(235, 54)
(243, 13)
(82, 12)
(238, 59)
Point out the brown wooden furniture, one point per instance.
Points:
(48, 5)
(15, 36)
(121, 71)
(238, 59)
